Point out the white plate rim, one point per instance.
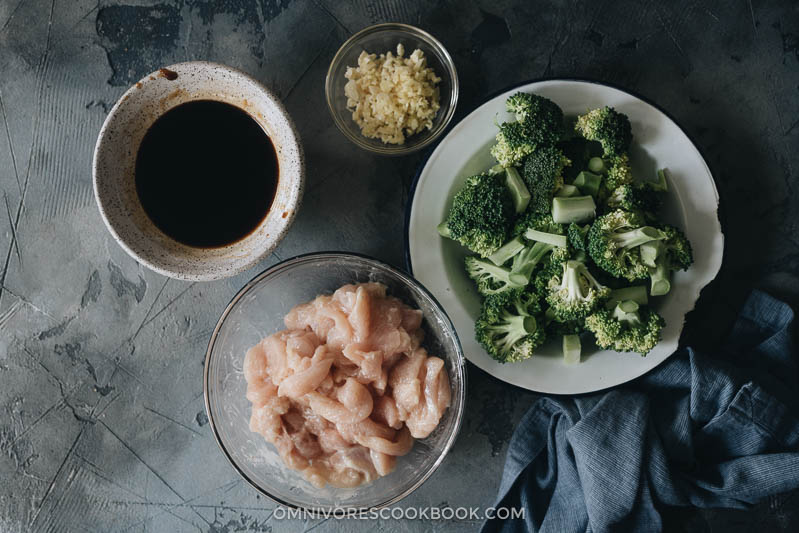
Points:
(714, 267)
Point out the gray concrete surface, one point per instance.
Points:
(102, 426)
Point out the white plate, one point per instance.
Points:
(692, 205)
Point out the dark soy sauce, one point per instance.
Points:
(206, 173)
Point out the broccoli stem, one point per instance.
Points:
(518, 190)
(507, 251)
(659, 279)
(549, 238)
(650, 251)
(573, 209)
(529, 324)
(636, 293)
(571, 349)
(496, 170)
(597, 165)
(662, 185)
(637, 237)
(588, 182)
(568, 190)
(627, 312)
(525, 262)
(444, 230)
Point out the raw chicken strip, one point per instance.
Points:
(425, 416)
(404, 381)
(343, 391)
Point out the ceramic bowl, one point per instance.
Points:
(115, 159)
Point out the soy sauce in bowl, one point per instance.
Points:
(206, 174)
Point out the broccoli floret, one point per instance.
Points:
(543, 175)
(678, 248)
(639, 196)
(513, 144)
(626, 328)
(539, 124)
(552, 265)
(481, 214)
(675, 253)
(577, 236)
(490, 278)
(606, 125)
(544, 116)
(574, 292)
(619, 172)
(613, 242)
(537, 221)
(508, 328)
(526, 259)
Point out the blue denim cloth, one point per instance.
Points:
(708, 431)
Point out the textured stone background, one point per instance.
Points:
(102, 426)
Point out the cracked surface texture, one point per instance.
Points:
(102, 424)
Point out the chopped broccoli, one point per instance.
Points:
(490, 278)
(613, 240)
(619, 172)
(574, 292)
(607, 126)
(552, 265)
(525, 262)
(626, 328)
(588, 182)
(675, 254)
(513, 144)
(636, 293)
(536, 221)
(646, 196)
(530, 107)
(548, 238)
(481, 214)
(650, 251)
(539, 124)
(573, 209)
(507, 327)
(678, 248)
(571, 349)
(543, 175)
(507, 251)
(568, 190)
(577, 236)
(518, 191)
(597, 165)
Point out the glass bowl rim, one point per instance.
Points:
(452, 100)
(460, 368)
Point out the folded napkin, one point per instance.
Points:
(720, 431)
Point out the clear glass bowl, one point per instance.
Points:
(380, 39)
(257, 311)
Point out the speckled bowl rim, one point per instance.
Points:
(459, 365)
(274, 238)
(451, 101)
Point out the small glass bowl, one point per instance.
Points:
(257, 311)
(380, 39)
